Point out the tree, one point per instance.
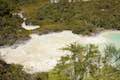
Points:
(87, 63)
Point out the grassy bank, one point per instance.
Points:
(80, 17)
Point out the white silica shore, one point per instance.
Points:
(29, 27)
(41, 52)
(23, 25)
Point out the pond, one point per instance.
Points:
(113, 37)
(41, 52)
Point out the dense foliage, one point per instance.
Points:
(82, 17)
(10, 25)
(16, 72)
(12, 72)
(87, 63)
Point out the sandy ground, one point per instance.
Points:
(41, 52)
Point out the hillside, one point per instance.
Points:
(59, 39)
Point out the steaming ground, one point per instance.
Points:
(41, 52)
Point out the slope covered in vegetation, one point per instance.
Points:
(16, 72)
(10, 25)
(85, 63)
(80, 17)
(83, 17)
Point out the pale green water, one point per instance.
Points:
(113, 37)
